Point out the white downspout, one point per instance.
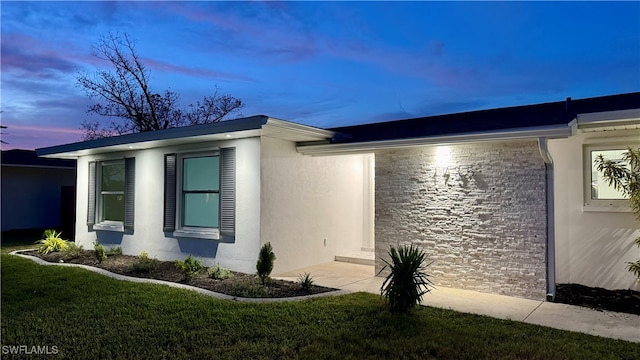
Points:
(551, 240)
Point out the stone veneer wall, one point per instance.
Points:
(481, 220)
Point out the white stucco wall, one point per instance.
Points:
(305, 200)
(592, 247)
(239, 255)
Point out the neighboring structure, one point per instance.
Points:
(498, 198)
(37, 193)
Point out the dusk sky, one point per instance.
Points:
(318, 63)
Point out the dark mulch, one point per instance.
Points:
(241, 284)
(627, 301)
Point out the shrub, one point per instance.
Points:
(189, 267)
(219, 273)
(72, 251)
(305, 281)
(249, 290)
(101, 254)
(264, 266)
(404, 287)
(144, 264)
(51, 242)
(114, 251)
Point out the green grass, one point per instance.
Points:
(87, 315)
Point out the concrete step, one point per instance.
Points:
(357, 257)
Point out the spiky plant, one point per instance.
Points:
(51, 242)
(624, 175)
(264, 265)
(408, 281)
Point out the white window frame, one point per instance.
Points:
(102, 224)
(189, 231)
(601, 205)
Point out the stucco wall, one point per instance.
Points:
(305, 200)
(477, 210)
(592, 247)
(31, 196)
(239, 255)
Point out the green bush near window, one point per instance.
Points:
(72, 251)
(51, 242)
(264, 266)
(114, 251)
(190, 267)
(101, 254)
(404, 287)
(144, 264)
(626, 179)
(219, 273)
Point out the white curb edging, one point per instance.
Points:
(176, 285)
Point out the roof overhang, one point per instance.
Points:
(606, 121)
(556, 131)
(254, 126)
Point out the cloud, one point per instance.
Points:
(195, 72)
(28, 57)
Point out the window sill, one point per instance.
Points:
(117, 227)
(197, 234)
(606, 208)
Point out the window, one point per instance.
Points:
(111, 195)
(598, 194)
(111, 191)
(200, 194)
(600, 189)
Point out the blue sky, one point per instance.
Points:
(319, 63)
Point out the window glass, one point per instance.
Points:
(600, 189)
(112, 191)
(201, 209)
(201, 173)
(201, 191)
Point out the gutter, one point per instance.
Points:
(550, 204)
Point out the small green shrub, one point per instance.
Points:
(114, 251)
(72, 251)
(190, 267)
(249, 290)
(51, 242)
(101, 254)
(305, 281)
(219, 273)
(404, 287)
(264, 266)
(144, 264)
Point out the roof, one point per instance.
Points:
(548, 115)
(28, 158)
(259, 125)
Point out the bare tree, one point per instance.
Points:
(131, 104)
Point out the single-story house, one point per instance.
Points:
(37, 193)
(502, 200)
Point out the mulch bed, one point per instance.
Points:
(627, 301)
(240, 285)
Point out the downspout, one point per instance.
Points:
(551, 240)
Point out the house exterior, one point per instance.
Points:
(502, 200)
(37, 193)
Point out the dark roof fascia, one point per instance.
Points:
(29, 159)
(248, 123)
(545, 114)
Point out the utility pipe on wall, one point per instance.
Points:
(551, 241)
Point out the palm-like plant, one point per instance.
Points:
(408, 281)
(626, 179)
(52, 242)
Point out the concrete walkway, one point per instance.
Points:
(356, 277)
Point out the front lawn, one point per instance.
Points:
(86, 315)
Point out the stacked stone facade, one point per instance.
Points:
(481, 218)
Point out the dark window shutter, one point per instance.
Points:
(228, 190)
(169, 223)
(91, 205)
(129, 192)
